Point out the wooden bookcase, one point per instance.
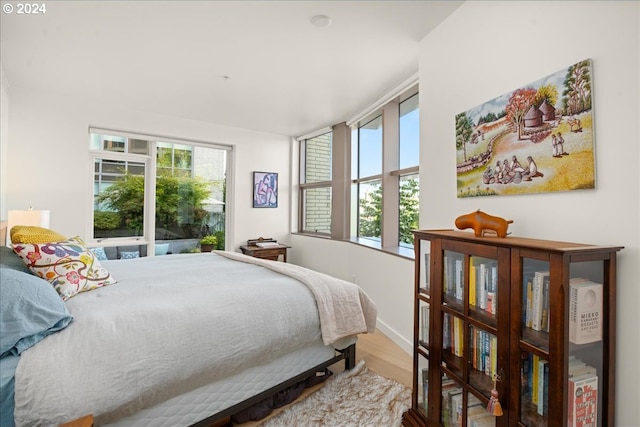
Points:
(489, 308)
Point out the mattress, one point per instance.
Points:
(170, 327)
(198, 404)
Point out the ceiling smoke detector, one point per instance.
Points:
(321, 21)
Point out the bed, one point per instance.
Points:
(179, 340)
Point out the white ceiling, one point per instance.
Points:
(285, 75)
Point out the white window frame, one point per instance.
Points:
(148, 237)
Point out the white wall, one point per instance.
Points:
(387, 279)
(486, 49)
(50, 165)
(4, 138)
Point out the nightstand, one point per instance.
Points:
(270, 252)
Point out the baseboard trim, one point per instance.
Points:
(394, 336)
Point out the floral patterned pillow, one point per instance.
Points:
(69, 266)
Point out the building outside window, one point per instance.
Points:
(315, 184)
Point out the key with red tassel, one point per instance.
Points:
(494, 407)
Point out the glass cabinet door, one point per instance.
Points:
(587, 317)
(534, 344)
(584, 316)
(422, 319)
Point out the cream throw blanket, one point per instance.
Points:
(345, 309)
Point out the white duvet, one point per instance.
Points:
(171, 324)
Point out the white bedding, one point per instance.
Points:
(134, 344)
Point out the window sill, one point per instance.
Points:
(401, 251)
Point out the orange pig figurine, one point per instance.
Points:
(481, 222)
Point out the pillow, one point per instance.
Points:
(33, 234)
(100, 254)
(129, 255)
(8, 259)
(161, 248)
(69, 266)
(30, 309)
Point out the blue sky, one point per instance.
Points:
(371, 145)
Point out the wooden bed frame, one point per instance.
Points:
(348, 355)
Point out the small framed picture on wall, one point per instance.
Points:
(265, 190)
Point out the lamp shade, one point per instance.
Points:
(28, 217)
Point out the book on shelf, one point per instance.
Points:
(492, 292)
(583, 401)
(424, 319)
(426, 269)
(459, 280)
(447, 333)
(472, 282)
(539, 279)
(450, 389)
(493, 355)
(483, 286)
(534, 382)
(458, 331)
(482, 420)
(486, 353)
(528, 299)
(585, 311)
(456, 409)
(544, 321)
(425, 388)
(578, 368)
(476, 412)
(526, 379)
(543, 387)
(583, 370)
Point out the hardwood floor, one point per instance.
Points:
(380, 354)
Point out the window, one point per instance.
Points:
(367, 178)
(409, 200)
(315, 184)
(368, 190)
(186, 203)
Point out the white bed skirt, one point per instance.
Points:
(208, 400)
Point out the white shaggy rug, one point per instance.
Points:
(355, 398)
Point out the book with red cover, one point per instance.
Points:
(583, 401)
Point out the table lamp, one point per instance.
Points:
(28, 217)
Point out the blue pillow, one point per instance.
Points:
(9, 259)
(129, 255)
(161, 248)
(30, 309)
(100, 254)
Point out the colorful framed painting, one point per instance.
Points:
(535, 139)
(265, 190)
